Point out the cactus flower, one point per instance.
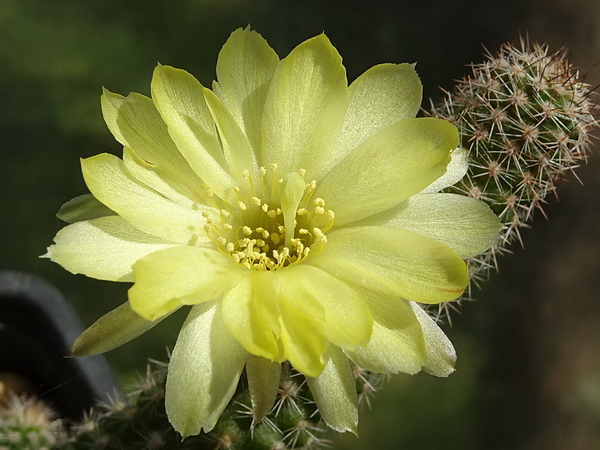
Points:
(298, 216)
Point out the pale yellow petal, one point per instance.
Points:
(263, 385)
(348, 321)
(179, 275)
(179, 98)
(245, 67)
(160, 180)
(302, 330)
(109, 181)
(305, 108)
(103, 248)
(441, 356)
(251, 314)
(83, 207)
(112, 330)
(386, 169)
(204, 370)
(393, 261)
(467, 226)
(236, 146)
(136, 123)
(397, 344)
(383, 95)
(456, 170)
(334, 392)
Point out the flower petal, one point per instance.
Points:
(177, 276)
(466, 225)
(112, 330)
(305, 108)
(334, 392)
(179, 98)
(83, 207)
(245, 67)
(397, 343)
(302, 330)
(103, 248)
(456, 170)
(387, 168)
(158, 179)
(136, 123)
(251, 314)
(109, 181)
(204, 370)
(263, 385)
(348, 320)
(441, 356)
(393, 261)
(383, 95)
(236, 147)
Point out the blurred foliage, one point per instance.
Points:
(55, 55)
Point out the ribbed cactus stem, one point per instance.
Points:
(525, 116)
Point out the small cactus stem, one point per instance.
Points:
(525, 117)
(27, 423)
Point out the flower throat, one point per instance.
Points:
(275, 223)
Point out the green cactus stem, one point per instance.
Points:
(525, 117)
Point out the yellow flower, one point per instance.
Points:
(297, 214)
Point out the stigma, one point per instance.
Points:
(274, 224)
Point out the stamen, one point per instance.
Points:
(270, 230)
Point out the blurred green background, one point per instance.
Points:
(529, 350)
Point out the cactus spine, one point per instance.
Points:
(525, 116)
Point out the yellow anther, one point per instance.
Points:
(291, 225)
(209, 193)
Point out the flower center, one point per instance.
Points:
(276, 222)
